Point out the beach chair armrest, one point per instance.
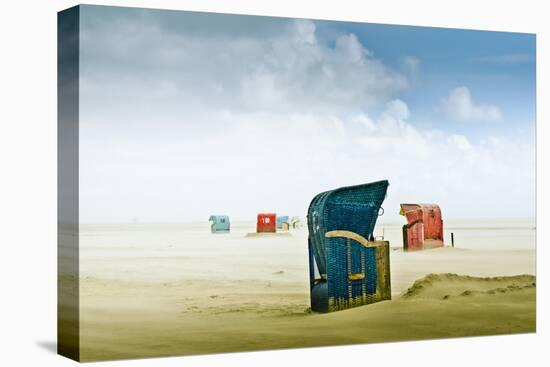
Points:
(356, 237)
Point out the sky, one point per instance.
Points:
(186, 114)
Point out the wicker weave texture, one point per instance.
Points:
(350, 274)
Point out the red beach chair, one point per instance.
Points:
(424, 228)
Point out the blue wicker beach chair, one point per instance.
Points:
(347, 267)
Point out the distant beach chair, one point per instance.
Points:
(282, 220)
(219, 224)
(295, 222)
(266, 222)
(424, 228)
(347, 268)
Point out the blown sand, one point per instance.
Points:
(168, 289)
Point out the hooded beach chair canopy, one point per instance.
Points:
(351, 208)
(408, 208)
(219, 223)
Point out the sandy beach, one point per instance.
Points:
(176, 289)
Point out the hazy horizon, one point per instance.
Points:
(503, 222)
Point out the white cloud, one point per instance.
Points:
(458, 105)
(351, 50)
(397, 109)
(279, 161)
(411, 66)
(366, 121)
(305, 32)
(460, 141)
(291, 69)
(176, 125)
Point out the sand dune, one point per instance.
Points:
(444, 286)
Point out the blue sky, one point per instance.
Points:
(497, 67)
(174, 103)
